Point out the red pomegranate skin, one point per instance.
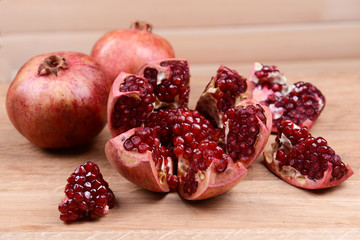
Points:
(59, 111)
(126, 50)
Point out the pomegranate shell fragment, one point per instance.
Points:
(138, 168)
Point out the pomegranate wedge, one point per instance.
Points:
(246, 123)
(301, 102)
(304, 161)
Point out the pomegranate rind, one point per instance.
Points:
(295, 178)
(116, 51)
(138, 168)
(164, 73)
(264, 133)
(212, 183)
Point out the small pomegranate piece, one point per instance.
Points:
(125, 50)
(87, 194)
(58, 100)
(303, 160)
(247, 128)
(301, 102)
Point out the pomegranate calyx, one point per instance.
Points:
(141, 25)
(52, 64)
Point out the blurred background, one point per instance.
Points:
(208, 33)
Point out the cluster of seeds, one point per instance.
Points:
(244, 129)
(87, 194)
(204, 153)
(176, 86)
(310, 156)
(265, 73)
(147, 139)
(184, 133)
(304, 102)
(130, 111)
(231, 85)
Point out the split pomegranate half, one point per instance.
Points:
(161, 145)
(301, 102)
(303, 160)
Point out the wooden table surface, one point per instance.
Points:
(260, 207)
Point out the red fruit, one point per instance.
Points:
(301, 102)
(87, 194)
(59, 99)
(125, 50)
(304, 161)
(133, 98)
(246, 123)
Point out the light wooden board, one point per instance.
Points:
(260, 207)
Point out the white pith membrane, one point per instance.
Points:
(285, 171)
(207, 99)
(274, 77)
(208, 103)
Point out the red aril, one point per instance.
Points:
(125, 50)
(305, 161)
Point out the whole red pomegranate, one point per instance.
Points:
(125, 50)
(59, 99)
(161, 145)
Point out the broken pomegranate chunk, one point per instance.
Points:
(87, 194)
(301, 102)
(305, 161)
(245, 122)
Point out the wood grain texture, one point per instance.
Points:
(260, 207)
